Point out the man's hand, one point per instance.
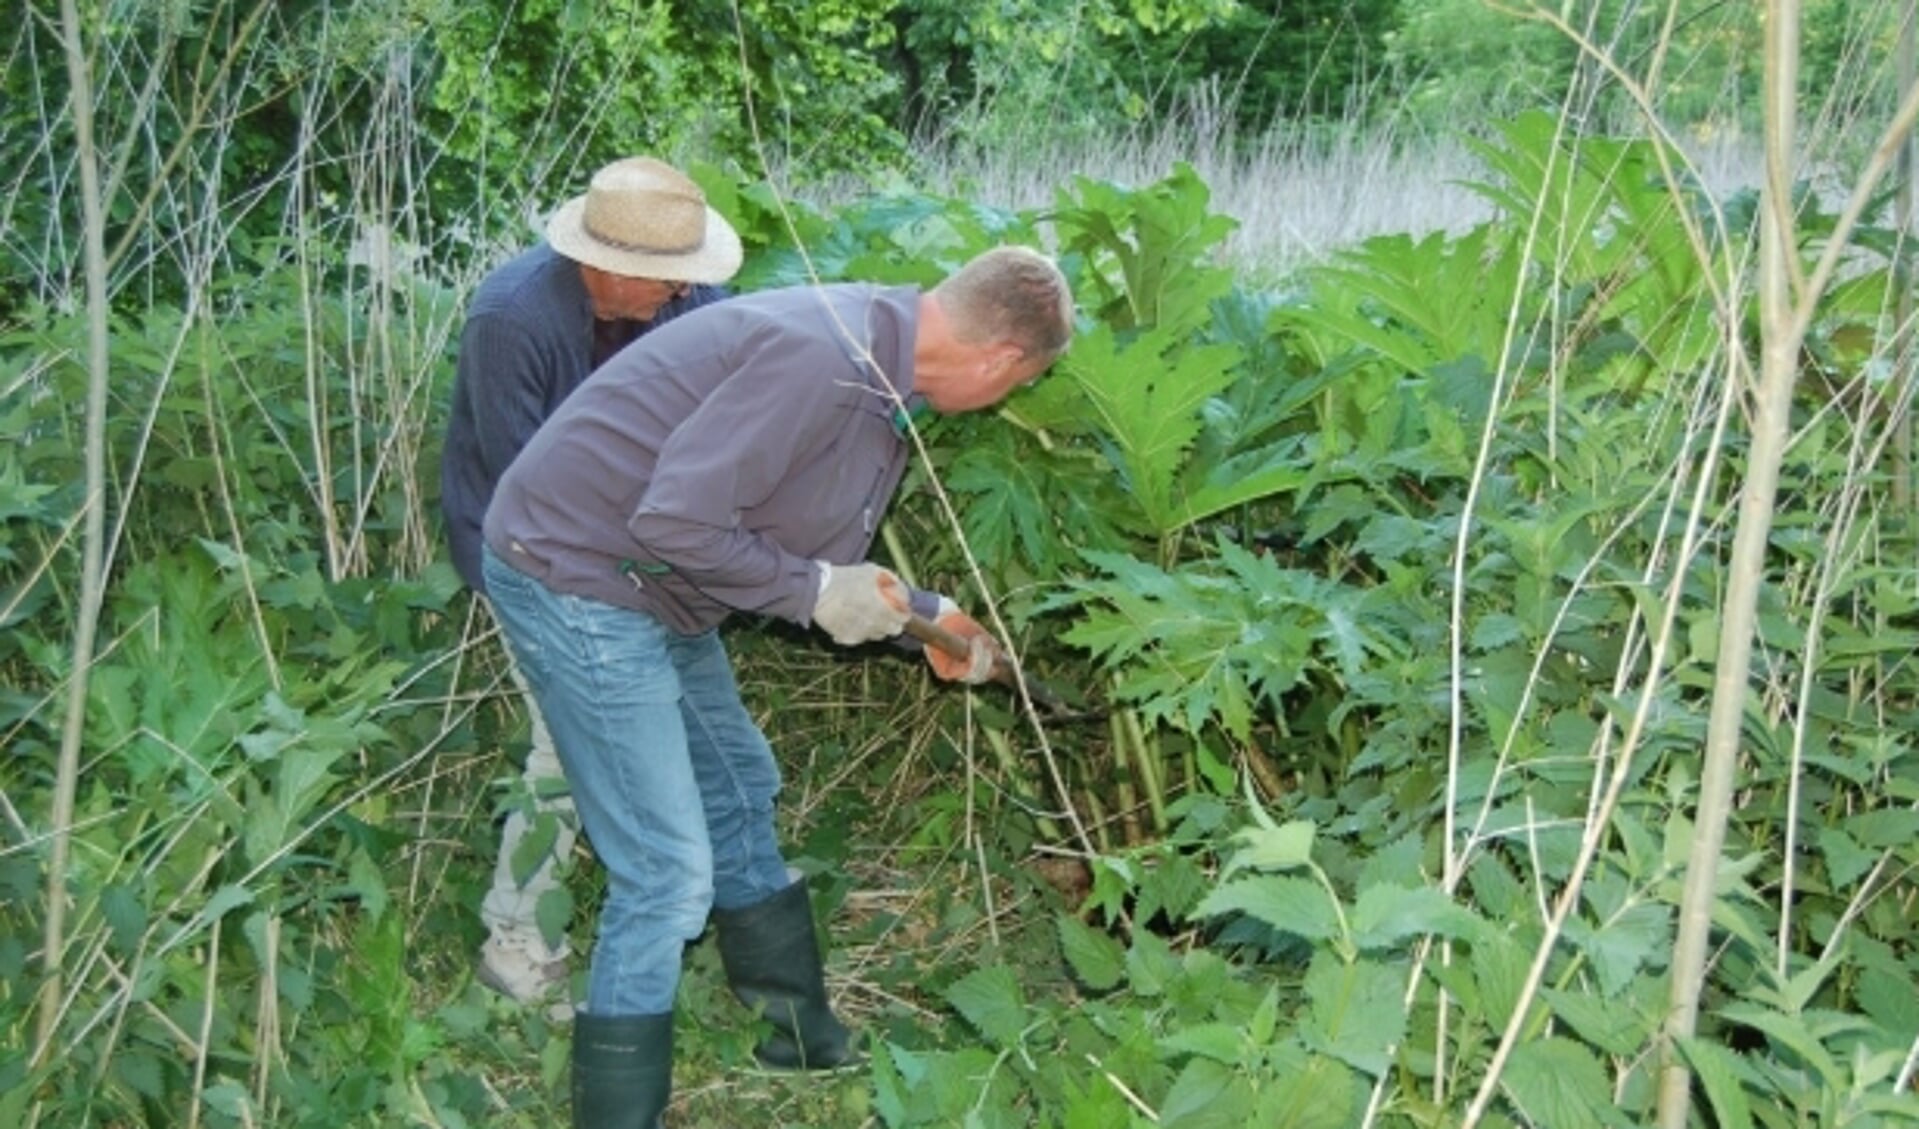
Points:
(860, 603)
(983, 651)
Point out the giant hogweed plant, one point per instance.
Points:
(1099, 457)
(1438, 715)
(1155, 432)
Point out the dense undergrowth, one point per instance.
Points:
(1391, 596)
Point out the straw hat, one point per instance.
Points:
(646, 219)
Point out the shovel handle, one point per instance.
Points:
(933, 635)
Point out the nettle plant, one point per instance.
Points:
(275, 660)
(1427, 550)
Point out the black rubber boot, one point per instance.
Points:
(622, 1070)
(772, 960)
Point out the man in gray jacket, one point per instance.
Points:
(738, 459)
(638, 249)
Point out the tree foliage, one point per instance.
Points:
(1275, 60)
(1012, 73)
(573, 85)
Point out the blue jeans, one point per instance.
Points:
(673, 781)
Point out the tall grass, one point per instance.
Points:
(1302, 191)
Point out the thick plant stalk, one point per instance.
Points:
(1902, 340)
(1778, 372)
(1598, 822)
(1783, 324)
(93, 537)
(202, 1045)
(1599, 818)
(1132, 732)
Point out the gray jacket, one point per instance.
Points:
(707, 466)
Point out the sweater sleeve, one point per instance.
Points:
(501, 363)
(773, 413)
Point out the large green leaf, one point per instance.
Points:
(1151, 965)
(937, 1088)
(1790, 1032)
(1159, 237)
(1031, 506)
(1146, 394)
(1309, 1091)
(1555, 1081)
(1266, 845)
(1386, 916)
(1247, 478)
(535, 846)
(274, 820)
(1097, 1104)
(1097, 959)
(1173, 885)
(1207, 1095)
(1224, 1043)
(991, 999)
(1356, 1011)
(1295, 905)
(1638, 937)
(1499, 966)
(1885, 827)
(1721, 1073)
(1214, 641)
(1614, 1026)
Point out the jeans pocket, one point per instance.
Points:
(516, 602)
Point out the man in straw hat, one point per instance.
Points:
(738, 459)
(638, 249)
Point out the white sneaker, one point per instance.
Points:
(522, 972)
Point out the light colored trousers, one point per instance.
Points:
(543, 801)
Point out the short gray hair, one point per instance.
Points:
(1010, 294)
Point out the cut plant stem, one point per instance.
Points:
(1102, 835)
(1129, 733)
(1271, 784)
(1129, 827)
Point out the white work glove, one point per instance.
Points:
(983, 651)
(860, 603)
